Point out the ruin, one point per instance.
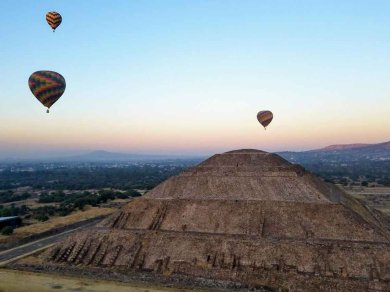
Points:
(245, 216)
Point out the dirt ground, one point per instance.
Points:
(18, 281)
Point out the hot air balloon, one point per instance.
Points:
(54, 19)
(47, 87)
(265, 118)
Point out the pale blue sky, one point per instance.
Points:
(189, 76)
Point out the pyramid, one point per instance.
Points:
(247, 217)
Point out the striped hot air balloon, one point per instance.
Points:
(265, 118)
(54, 19)
(47, 87)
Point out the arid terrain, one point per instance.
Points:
(240, 219)
(375, 197)
(38, 282)
(244, 218)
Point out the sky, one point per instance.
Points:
(188, 77)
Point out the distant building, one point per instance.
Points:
(13, 221)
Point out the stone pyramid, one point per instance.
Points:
(247, 217)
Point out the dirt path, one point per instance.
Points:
(18, 281)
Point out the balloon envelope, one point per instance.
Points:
(265, 118)
(47, 86)
(54, 19)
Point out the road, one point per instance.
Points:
(16, 253)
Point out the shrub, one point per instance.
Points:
(42, 217)
(122, 196)
(134, 194)
(7, 230)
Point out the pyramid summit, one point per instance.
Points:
(242, 175)
(246, 217)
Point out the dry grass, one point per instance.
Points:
(367, 190)
(16, 281)
(375, 197)
(31, 203)
(54, 222)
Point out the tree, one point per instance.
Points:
(42, 217)
(7, 230)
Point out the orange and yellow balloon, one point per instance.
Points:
(47, 87)
(54, 19)
(265, 118)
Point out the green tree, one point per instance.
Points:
(42, 217)
(7, 230)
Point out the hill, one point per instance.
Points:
(100, 156)
(347, 152)
(352, 163)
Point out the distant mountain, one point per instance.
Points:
(344, 147)
(344, 164)
(366, 147)
(106, 156)
(101, 155)
(342, 153)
